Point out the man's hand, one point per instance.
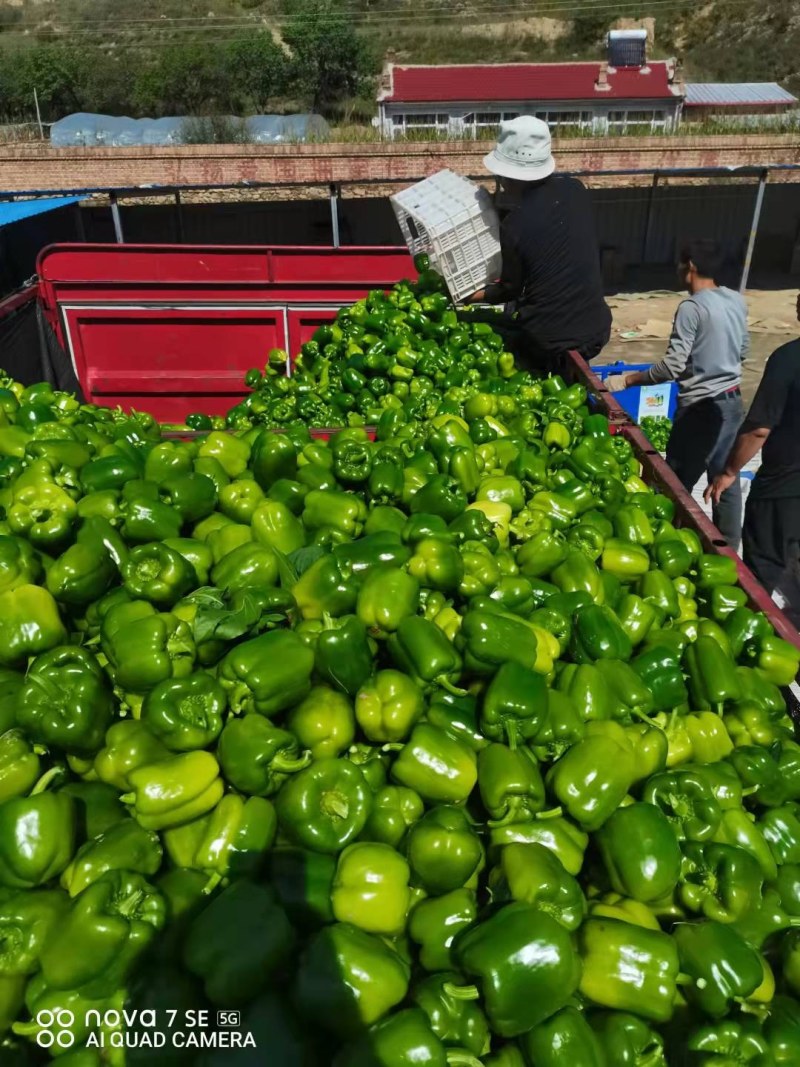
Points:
(476, 298)
(616, 382)
(715, 490)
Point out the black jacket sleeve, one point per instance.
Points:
(509, 286)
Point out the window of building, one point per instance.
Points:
(636, 120)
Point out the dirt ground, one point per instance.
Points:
(642, 325)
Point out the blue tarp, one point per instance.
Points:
(15, 210)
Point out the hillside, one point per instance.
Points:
(163, 56)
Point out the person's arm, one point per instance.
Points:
(509, 285)
(765, 413)
(744, 448)
(684, 331)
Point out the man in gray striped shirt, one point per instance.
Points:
(709, 341)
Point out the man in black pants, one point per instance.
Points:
(709, 340)
(771, 531)
(550, 280)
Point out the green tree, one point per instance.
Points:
(330, 62)
(187, 78)
(255, 71)
(53, 70)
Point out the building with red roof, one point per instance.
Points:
(464, 100)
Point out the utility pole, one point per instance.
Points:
(38, 113)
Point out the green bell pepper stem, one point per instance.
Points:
(453, 1013)
(518, 996)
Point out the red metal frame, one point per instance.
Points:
(172, 329)
(13, 302)
(656, 472)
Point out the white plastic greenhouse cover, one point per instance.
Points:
(85, 130)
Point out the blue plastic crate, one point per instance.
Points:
(642, 400)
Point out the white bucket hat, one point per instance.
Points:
(522, 150)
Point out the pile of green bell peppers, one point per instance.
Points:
(443, 743)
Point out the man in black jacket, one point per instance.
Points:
(550, 280)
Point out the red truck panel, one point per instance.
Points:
(173, 329)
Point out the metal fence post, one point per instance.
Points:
(751, 241)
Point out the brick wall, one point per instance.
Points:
(28, 167)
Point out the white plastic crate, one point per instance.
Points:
(455, 222)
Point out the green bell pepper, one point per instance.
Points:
(395, 810)
(438, 767)
(19, 765)
(534, 874)
(343, 656)
(640, 852)
(591, 779)
(370, 888)
(144, 647)
(124, 846)
(721, 965)
(348, 979)
(118, 915)
(257, 757)
(435, 922)
(628, 968)
(185, 713)
(158, 574)
(563, 1040)
(233, 977)
(423, 651)
(510, 784)
(388, 705)
(627, 1040)
(129, 744)
(267, 674)
(443, 850)
(29, 624)
(524, 963)
(514, 705)
(66, 701)
(325, 806)
(323, 722)
(175, 790)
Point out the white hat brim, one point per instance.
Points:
(504, 168)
